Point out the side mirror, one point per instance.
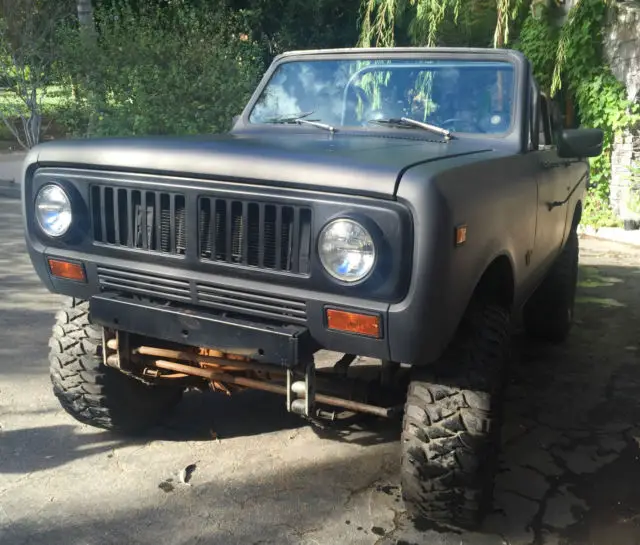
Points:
(580, 143)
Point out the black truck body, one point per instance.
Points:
(416, 188)
(454, 217)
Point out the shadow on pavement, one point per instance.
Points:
(572, 418)
(277, 508)
(209, 416)
(30, 450)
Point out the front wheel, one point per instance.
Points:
(93, 393)
(451, 426)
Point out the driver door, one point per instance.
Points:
(554, 179)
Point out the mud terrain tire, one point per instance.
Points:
(451, 430)
(93, 393)
(548, 315)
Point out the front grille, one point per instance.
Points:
(222, 298)
(256, 234)
(144, 284)
(251, 303)
(132, 218)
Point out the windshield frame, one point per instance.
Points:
(408, 54)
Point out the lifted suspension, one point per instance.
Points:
(298, 385)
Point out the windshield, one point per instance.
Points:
(461, 96)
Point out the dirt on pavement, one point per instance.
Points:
(570, 472)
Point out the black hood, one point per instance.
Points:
(361, 164)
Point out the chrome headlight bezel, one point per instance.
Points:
(368, 239)
(63, 202)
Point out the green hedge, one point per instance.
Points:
(169, 70)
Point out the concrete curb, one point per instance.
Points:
(612, 234)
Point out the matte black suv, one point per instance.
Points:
(401, 204)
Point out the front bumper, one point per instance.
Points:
(240, 301)
(286, 345)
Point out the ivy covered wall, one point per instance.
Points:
(622, 52)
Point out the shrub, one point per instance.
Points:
(160, 70)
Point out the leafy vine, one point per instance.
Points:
(572, 57)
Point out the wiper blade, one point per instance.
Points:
(408, 122)
(316, 124)
(299, 120)
(291, 118)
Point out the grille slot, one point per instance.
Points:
(151, 285)
(251, 303)
(267, 236)
(221, 298)
(141, 219)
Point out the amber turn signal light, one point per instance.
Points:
(66, 270)
(461, 235)
(360, 324)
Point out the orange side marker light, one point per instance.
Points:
(66, 270)
(350, 322)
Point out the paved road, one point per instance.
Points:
(11, 165)
(10, 172)
(570, 469)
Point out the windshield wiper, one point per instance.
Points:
(316, 124)
(291, 118)
(408, 122)
(299, 120)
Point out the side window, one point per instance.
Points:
(545, 134)
(533, 117)
(556, 119)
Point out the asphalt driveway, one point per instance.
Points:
(570, 467)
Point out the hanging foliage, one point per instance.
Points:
(538, 40)
(424, 20)
(507, 11)
(378, 23)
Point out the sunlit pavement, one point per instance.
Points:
(11, 165)
(570, 468)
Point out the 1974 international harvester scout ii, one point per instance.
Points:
(407, 205)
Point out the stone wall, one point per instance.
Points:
(622, 51)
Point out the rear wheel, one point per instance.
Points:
(93, 393)
(548, 315)
(451, 423)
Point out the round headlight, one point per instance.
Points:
(53, 210)
(346, 250)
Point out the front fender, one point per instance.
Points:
(496, 199)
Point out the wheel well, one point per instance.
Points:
(577, 215)
(497, 282)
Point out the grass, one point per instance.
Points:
(55, 97)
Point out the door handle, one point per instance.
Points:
(555, 164)
(555, 204)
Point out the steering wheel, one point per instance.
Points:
(453, 120)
